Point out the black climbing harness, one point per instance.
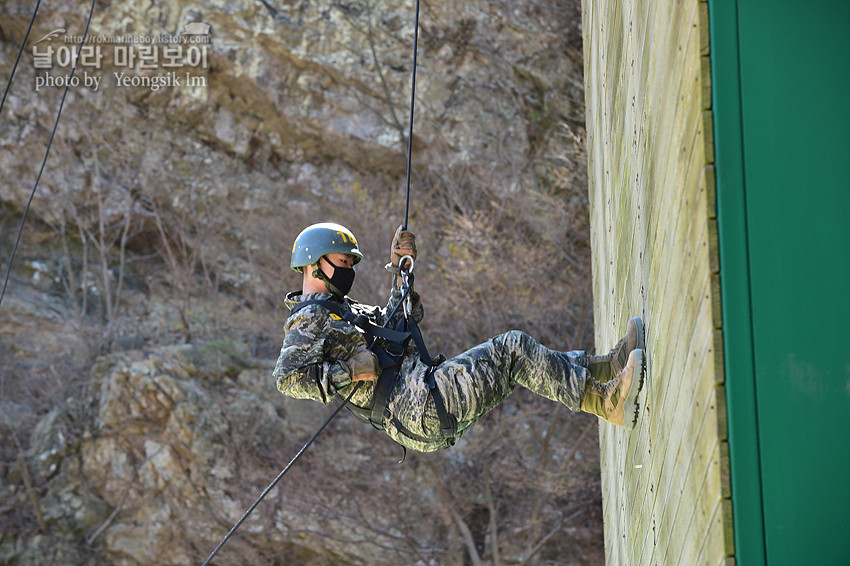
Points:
(390, 346)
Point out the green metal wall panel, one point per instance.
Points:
(742, 421)
(741, 406)
(786, 198)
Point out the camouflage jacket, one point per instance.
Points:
(313, 362)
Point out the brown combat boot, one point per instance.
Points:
(612, 363)
(615, 400)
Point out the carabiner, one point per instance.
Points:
(401, 264)
(405, 273)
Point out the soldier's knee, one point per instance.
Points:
(513, 339)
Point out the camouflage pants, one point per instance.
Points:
(477, 380)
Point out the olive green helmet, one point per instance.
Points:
(321, 239)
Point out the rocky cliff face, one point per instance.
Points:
(143, 312)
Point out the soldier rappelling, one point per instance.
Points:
(334, 343)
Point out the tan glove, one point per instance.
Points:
(404, 243)
(364, 366)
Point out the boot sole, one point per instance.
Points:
(641, 337)
(634, 399)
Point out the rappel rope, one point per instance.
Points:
(410, 120)
(52, 133)
(18, 57)
(405, 272)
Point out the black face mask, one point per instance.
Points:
(341, 281)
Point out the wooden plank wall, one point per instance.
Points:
(654, 246)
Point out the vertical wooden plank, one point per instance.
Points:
(708, 183)
(705, 82)
(704, 35)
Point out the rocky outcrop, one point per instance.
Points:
(182, 439)
(161, 468)
(288, 87)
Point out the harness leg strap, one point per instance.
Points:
(448, 422)
(383, 390)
